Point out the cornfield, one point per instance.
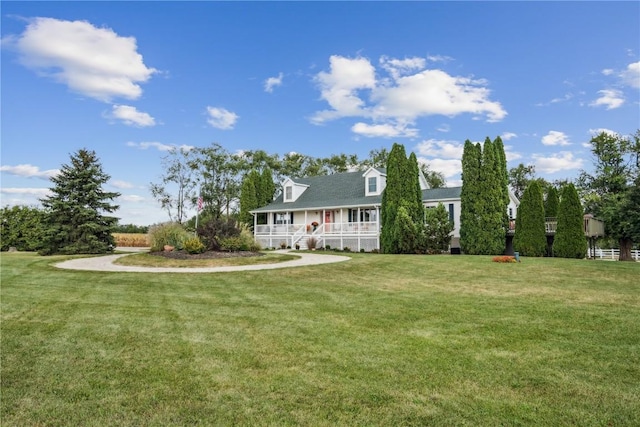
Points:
(136, 240)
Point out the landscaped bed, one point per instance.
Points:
(378, 340)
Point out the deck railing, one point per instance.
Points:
(592, 227)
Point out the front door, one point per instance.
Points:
(327, 217)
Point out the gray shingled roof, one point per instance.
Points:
(342, 190)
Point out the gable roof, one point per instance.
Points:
(343, 190)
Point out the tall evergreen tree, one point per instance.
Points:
(267, 187)
(414, 193)
(392, 197)
(75, 221)
(530, 238)
(249, 196)
(569, 240)
(469, 198)
(402, 194)
(492, 234)
(551, 203)
(504, 174)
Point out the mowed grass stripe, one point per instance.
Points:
(378, 340)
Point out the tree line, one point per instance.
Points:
(218, 176)
(77, 216)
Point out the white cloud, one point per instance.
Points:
(631, 76)
(160, 146)
(611, 98)
(29, 171)
(556, 162)
(93, 61)
(400, 67)
(555, 138)
(607, 71)
(439, 58)
(448, 167)
(131, 116)
(121, 184)
(508, 135)
(511, 155)
(272, 82)
(352, 90)
(387, 130)
(444, 128)
(40, 192)
(434, 92)
(595, 132)
(132, 198)
(435, 148)
(221, 118)
(339, 87)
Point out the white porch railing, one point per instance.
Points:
(354, 228)
(355, 235)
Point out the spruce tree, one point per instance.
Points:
(569, 240)
(75, 221)
(530, 238)
(551, 203)
(492, 237)
(469, 198)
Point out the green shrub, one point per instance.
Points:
(169, 233)
(194, 246)
(233, 244)
(242, 242)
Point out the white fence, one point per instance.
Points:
(613, 254)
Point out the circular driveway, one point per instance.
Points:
(105, 263)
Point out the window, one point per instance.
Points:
(366, 215)
(283, 218)
(288, 192)
(372, 184)
(451, 212)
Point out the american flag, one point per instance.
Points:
(200, 203)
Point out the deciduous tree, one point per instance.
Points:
(608, 189)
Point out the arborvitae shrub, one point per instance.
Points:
(569, 240)
(530, 238)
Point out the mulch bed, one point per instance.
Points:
(205, 255)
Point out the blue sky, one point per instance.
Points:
(133, 79)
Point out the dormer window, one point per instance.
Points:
(288, 192)
(372, 184)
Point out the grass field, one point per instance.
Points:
(378, 340)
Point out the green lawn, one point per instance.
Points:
(378, 340)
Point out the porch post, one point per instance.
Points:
(341, 230)
(379, 221)
(359, 227)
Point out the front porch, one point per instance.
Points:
(337, 235)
